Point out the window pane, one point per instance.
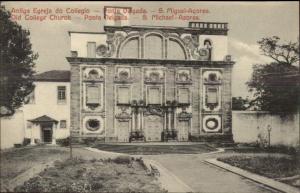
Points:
(123, 95)
(154, 96)
(184, 95)
(93, 95)
(212, 95)
(63, 124)
(153, 47)
(61, 93)
(91, 49)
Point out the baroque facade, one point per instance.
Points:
(142, 83)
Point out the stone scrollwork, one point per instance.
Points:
(154, 110)
(113, 41)
(184, 116)
(154, 76)
(195, 50)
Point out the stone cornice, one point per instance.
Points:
(179, 30)
(140, 62)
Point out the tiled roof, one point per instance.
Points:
(53, 76)
(44, 118)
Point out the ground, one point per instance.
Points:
(117, 177)
(79, 175)
(280, 167)
(189, 168)
(205, 178)
(154, 149)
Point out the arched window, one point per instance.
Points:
(175, 51)
(153, 47)
(130, 49)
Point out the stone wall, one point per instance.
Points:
(285, 128)
(12, 130)
(138, 92)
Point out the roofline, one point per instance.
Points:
(47, 80)
(85, 32)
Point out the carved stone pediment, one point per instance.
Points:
(154, 76)
(93, 74)
(123, 75)
(184, 116)
(183, 76)
(123, 116)
(154, 110)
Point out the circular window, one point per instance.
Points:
(93, 124)
(212, 123)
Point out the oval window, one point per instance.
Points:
(93, 124)
(212, 123)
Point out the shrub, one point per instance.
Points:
(123, 159)
(63, 142)
(26, 141)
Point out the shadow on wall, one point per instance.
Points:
(12, 130)
(249, 126)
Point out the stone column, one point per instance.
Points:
(132, 119)
(54, 134)
(32, 134)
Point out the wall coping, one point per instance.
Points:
(136, 61)
(262, 112)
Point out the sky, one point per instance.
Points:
(248, 23)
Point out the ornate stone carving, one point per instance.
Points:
(96, 74)
(183, 76)
(196, 52)
(113, 41)
(123, 74)
(154, 110)
(154, 76)
(184, 116)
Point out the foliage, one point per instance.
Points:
(79, 175)
(63, 142)
(239, 104)
(16, 63)
(287, 53)
(123, 160)
(273, 90)
(270, 165)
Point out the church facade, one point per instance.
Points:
(148, 83)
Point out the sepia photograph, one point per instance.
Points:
(146, 96)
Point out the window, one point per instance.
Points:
(184, 95)
(154, 96)
(63, 124)
(91, 49)
(61, 94)
(93, 95)
(93, 124)
(212, 96)
(123, 95)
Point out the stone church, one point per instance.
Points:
(152, 83)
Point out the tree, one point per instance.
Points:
(239, 104)
(16, 63)
(273, 89)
